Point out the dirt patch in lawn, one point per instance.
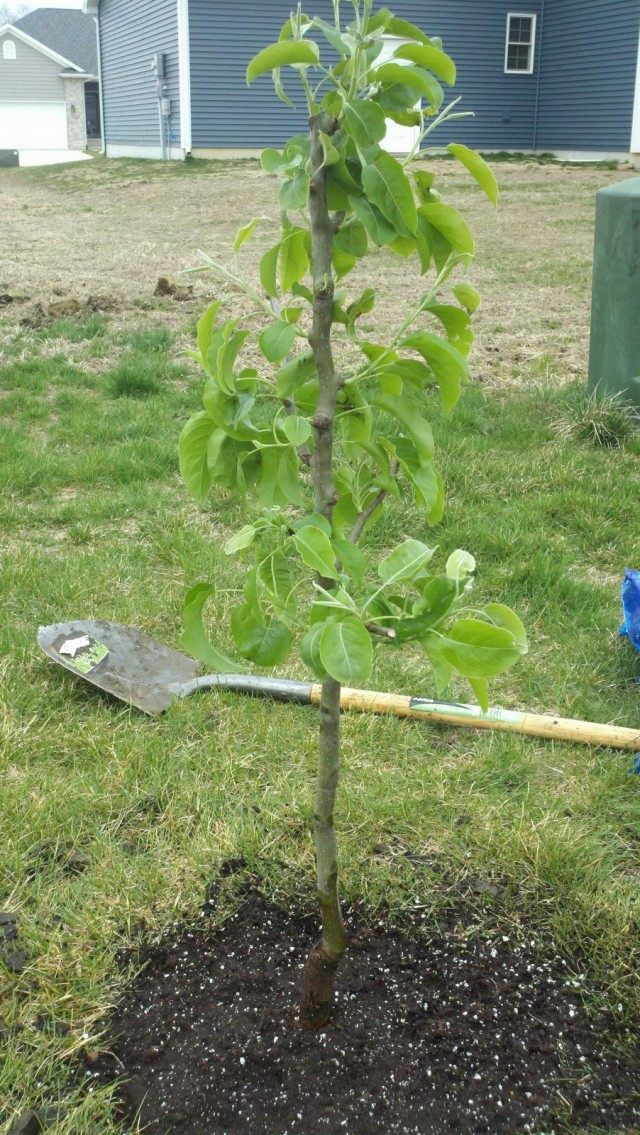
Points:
(456, 1030)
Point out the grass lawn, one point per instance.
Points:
(113, 823)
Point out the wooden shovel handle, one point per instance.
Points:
(512, 721)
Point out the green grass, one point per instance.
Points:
(96, 523)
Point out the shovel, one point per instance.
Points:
(147, 674)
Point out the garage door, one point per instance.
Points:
(33, 126)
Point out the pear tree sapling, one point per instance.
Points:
(319, 445)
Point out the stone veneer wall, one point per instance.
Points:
(76, 119)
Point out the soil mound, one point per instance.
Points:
(453, 1032)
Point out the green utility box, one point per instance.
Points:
(614, 358)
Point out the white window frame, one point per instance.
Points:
(9, 49)
(532, 48)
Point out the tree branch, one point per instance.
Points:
(367, 513)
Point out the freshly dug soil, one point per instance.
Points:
(454, 1032)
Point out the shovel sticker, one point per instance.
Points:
(82, 654)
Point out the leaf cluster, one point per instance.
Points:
(256, 433)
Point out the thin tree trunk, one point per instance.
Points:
(318, 988)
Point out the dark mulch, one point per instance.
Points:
(455, 1032)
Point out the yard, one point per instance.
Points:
(114, 824)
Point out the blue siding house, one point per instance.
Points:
(558, 75)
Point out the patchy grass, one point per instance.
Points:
(96, 524)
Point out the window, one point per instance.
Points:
(521, 42)
(8, 49)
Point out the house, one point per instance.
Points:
(49, 93)
(544, 75)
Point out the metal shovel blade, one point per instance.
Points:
(120, 660)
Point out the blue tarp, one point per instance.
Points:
(631, 607)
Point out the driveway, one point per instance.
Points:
(51, 157)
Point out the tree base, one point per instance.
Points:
(317, 1001)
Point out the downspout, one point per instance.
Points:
(103, 128)
(184, 76)
(537, 102)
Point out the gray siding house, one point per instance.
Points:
(558, 75)
(49, 82)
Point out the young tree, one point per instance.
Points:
(319, 442)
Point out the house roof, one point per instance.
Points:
(69, 33)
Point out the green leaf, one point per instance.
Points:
(421, 474)
(504, 617)
(265, 643)
(416, 374)
(315, 549)
(418, 428)
(293, 373)
(460, 565)
(402, 29)
(480, 687)
(403, 245)
(230, 413)
(365, 123)
(387, 186)
(206, 325)
(450, 224)
(362, 306)
(438, 597)
(346, 651)
(240, 540)
(456, 323)
(411, 76)
(245, 233)
(478, 169)
(479, 650)
(379, 19)
(431, 57)
(226, 355)
(313, 520)
(397, 101)
(330, 152)
(294, 192)
(432, 242)
(272, 161)
(287, 53)
(405, 561)
(277, 340)
(467, 296)
(274, 576)
(377, 226)
(332, 35)
(352, 559)
(297, 429)
(193, 452)
(352, 238)
(279, 89)
(293, 258)
(268, 269)
(449, 367)
(310, 649)
(442, 670)
(226, 457)
(342, 262)
(279, 481)
(194, 638)
(340, 183)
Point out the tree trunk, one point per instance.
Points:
(317, 992)
(318, 988)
